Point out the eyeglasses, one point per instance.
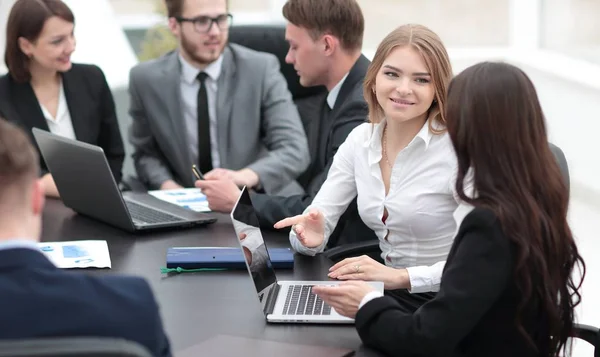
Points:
(203, 24)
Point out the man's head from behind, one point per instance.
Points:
(21, 193)
(202, 28)
(318, 32)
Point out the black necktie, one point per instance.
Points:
(204, 156)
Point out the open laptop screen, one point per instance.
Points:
(247, 229)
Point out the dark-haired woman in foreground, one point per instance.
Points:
(507, 287)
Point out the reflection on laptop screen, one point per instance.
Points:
(245, 223)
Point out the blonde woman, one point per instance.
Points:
(400, 166)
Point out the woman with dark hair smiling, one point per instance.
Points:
(44, 89)
(507, 287)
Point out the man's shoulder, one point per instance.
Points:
(151, 68)
(132, 284)
(245, 55)
(113, 289)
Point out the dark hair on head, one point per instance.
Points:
(27, 19)
(498, 130)
(18, 158)
(175, 7)
(340, 18)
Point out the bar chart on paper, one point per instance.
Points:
(190, 198)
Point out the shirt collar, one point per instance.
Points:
(333, 94)
(190, 73)
(375, 141)
(19, 243)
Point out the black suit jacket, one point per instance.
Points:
(91, 107)
(40, 300)
(474, 312)
(324, 139)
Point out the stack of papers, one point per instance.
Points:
(77, 254)
(190, 198)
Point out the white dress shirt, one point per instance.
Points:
(189, 87)
(459, 214)
(420, 202)
(61, 124)
(335, 91)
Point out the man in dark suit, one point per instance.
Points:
(40, 300)
(224, 107)
(325, 40)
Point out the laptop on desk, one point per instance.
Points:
(86, 185)
(281, 301)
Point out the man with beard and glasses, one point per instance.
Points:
(220, 106)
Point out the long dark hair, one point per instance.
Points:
(498, 130)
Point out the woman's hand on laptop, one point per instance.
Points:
(344, 298)
(309, 227)
(366, 268)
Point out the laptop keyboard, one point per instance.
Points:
(300, 300)
(148, 215)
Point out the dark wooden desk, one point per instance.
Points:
(198, 306)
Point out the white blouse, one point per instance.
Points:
(62, 124)
(420, 226)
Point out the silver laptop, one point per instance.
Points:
(281, 301)
(86, 185)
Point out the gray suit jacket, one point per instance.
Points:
(258, 124)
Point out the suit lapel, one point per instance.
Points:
(225, 88)
(357, 73)
(170, 86)
(27, 107)
(75, 96)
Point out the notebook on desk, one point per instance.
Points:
(222, 258)
(281, 301)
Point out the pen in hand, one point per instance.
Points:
(197, 173)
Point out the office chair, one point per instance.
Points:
(270, 38)
(371, 247)
(72, 347)
(589, 334)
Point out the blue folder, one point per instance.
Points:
(222, 258)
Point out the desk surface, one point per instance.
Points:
(198, 306)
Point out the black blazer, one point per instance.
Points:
(40, 300)
(324, 139)
(474, 312)
(91, 107)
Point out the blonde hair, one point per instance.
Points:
(437, 61)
